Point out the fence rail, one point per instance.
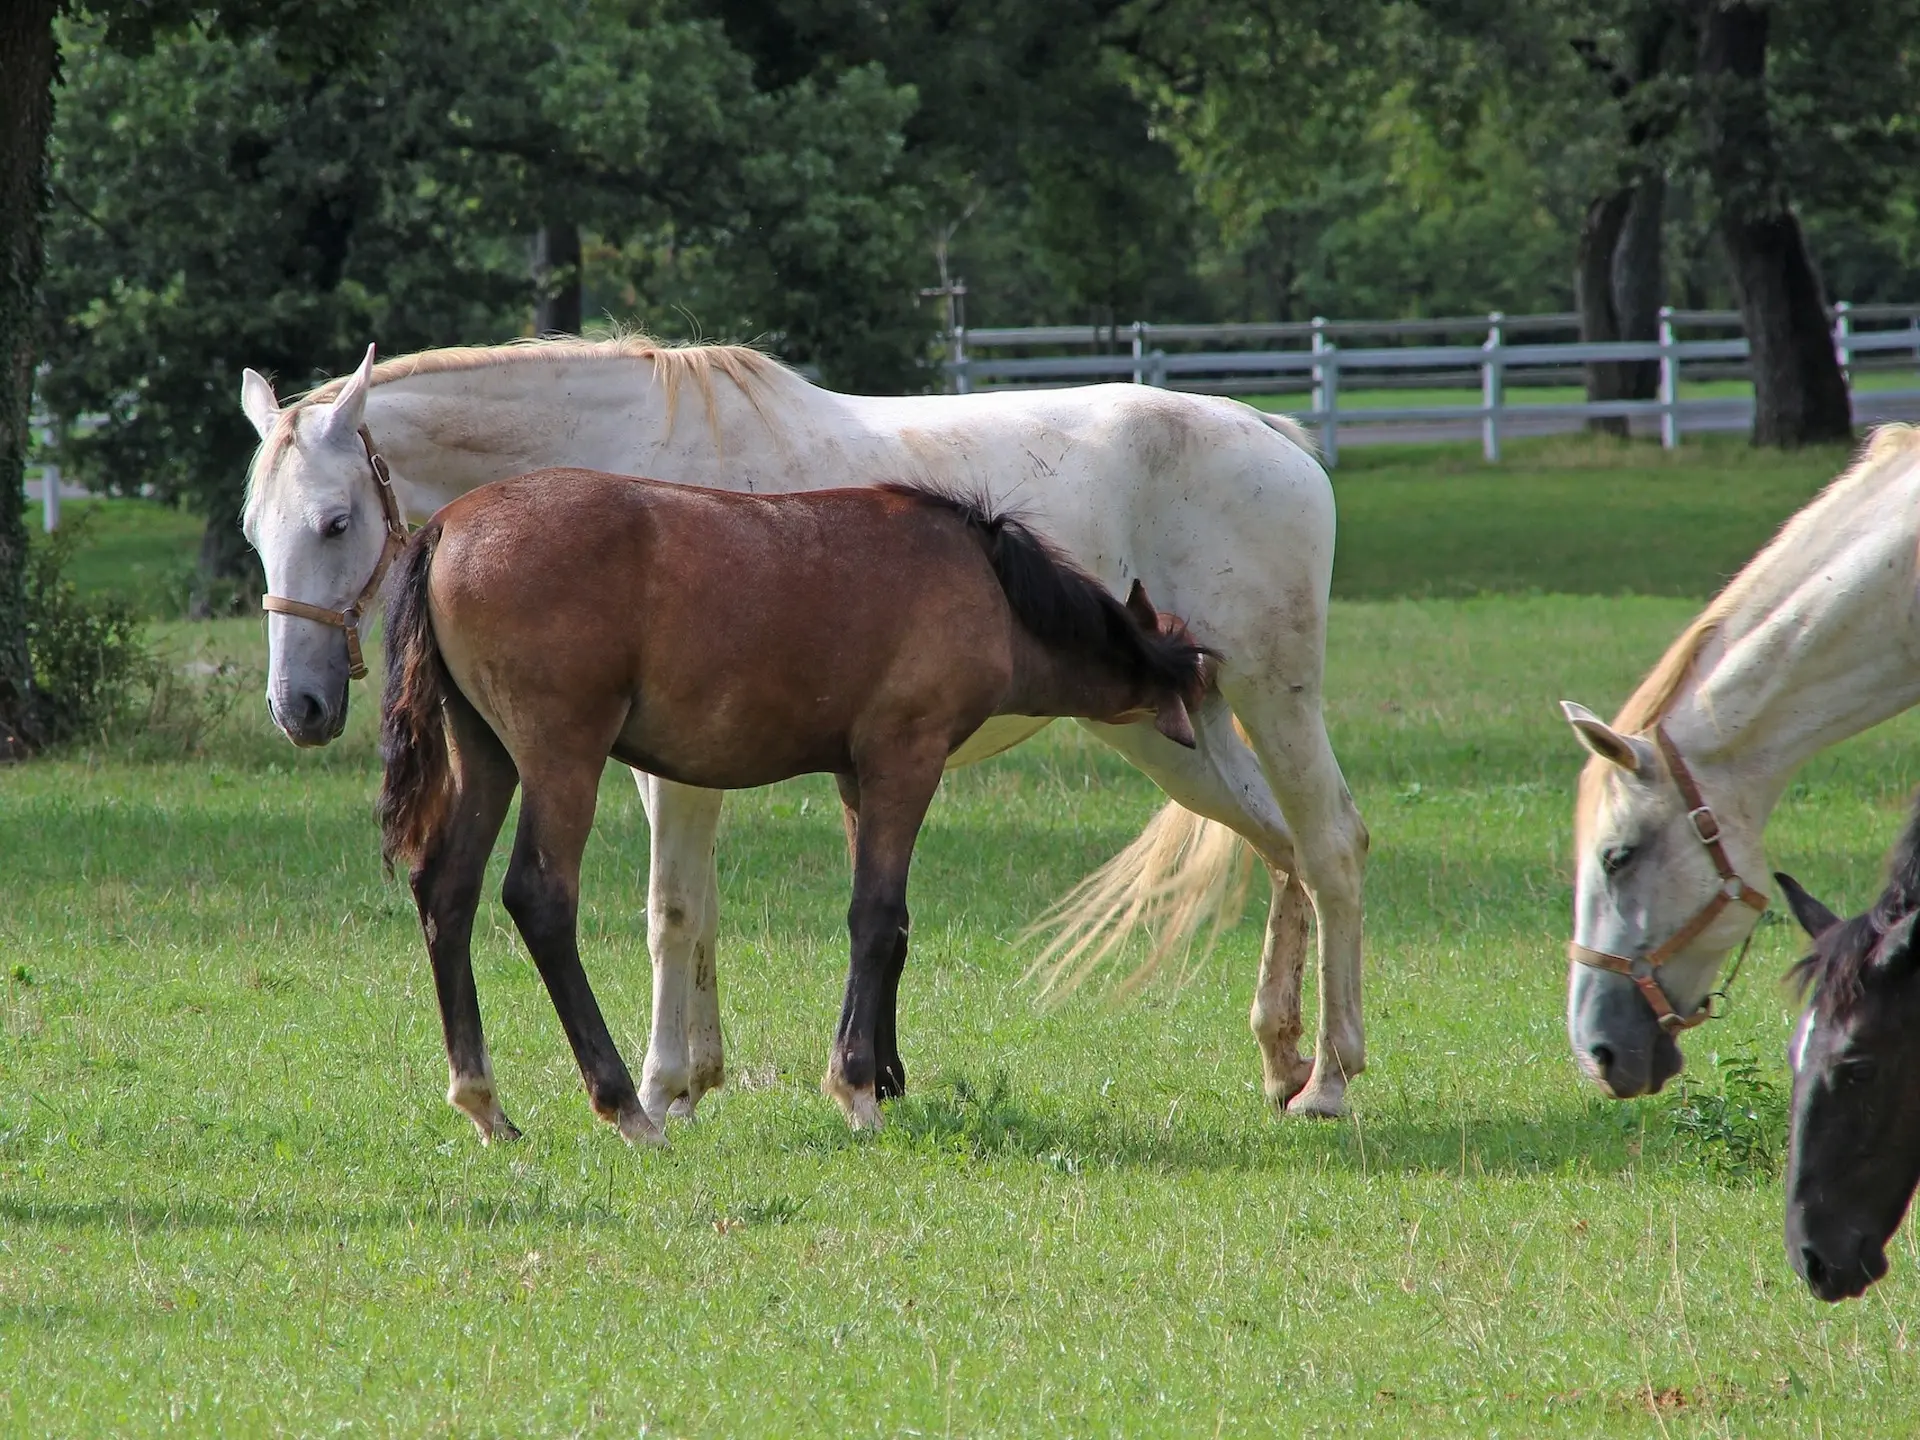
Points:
(1324, 366)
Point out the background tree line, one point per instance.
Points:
(255, 183)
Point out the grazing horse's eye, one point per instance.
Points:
(1616, 858)
(1854, 1072)
(336, 526)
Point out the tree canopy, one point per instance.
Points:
(251, 182)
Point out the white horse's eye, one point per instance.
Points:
(336, 526)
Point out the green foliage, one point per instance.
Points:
(1735, 1127)
(87, 654)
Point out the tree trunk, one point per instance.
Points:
(1800, 396)
(228, 579)
(1593, 297)
(556, 279)
(1638, 282)
(26, 120)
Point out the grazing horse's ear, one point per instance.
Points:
(1895, 950)
(258, 400)
(350, 406)
(1631, 755)
(1815, 918)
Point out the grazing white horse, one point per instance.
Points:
(1221, 512)
(1816, 640)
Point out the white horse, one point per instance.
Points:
(1816, 640)
(1220, 511)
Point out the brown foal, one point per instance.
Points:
(540, 625)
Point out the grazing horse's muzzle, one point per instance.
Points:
(1843, 1272)
(306, 719)
(1619, 1043)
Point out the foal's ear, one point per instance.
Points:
(1141, 609)
(350, 406)
(258, 400)
(1631, 755)
(1815, 918)
(1172, 721)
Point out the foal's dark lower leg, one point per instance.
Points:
(542, 893)
(890, 1079)
(893, 802)
(446, 888)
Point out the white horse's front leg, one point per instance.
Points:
(684, 1049)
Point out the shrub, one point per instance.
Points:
(88, 656)
(1737, 1130)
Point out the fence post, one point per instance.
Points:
(1842, 338)
(1491, 388)
(1139, 352)
(1669, 383)
(962, 376)
(49, 485)
(1327, 392)
(1319, 348)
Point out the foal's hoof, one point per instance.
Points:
(636, 1128)
(681, 1109)
(861, 1106)
(501, 1132)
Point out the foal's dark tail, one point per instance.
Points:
(1063, 606)
(417, 782)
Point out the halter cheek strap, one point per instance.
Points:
(396, 538)
(1643, 971)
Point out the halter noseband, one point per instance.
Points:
(1644, 971)
(396, 539)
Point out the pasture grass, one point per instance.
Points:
(232, 1200)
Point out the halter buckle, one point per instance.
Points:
(1705, 824)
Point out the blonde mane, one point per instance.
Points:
(674, 365)
(1654, 696)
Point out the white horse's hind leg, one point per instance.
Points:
(684, 1054)
(706, 1050)
(1221, 780)
(1282, 717)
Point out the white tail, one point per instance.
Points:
(1181, 874)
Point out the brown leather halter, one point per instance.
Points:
(349, 618)
(1644, 972)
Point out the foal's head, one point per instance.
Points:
(1854, 1153)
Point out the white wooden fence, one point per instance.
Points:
(1492, 366)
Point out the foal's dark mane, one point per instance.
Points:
(1835, 972)
(1059, 603)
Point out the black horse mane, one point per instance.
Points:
(1834, 975)
(1059, 603)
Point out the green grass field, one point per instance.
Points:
(233, 1201)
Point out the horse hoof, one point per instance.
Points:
(681, 1109)
(637, 1128)
(863, 1110)
(860, 1106)
(500, 1131)
(1279, 1092)
(1320, 1102)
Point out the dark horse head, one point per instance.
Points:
(1853, 1157)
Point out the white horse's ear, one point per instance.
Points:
(258, 400)
(349, 410)
(1633, 756)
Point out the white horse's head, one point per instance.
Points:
(1645, 882)
(315, 516)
